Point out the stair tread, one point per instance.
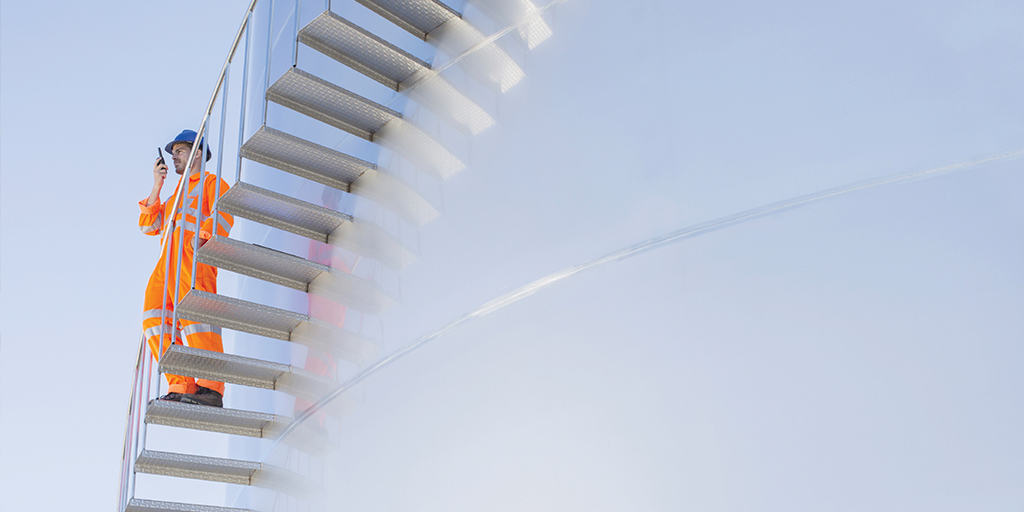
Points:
(329, 103)
(137, 505)
(212, 419)
(284, 269)
(245, 316)
(206, 364)
(304, 158)
(281, 211)
(418, 17)
(196, 466)
(238, 314)
(260, 262)
(245, 371)
(361, 50)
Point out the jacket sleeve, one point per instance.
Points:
(151, 219)
(224, 220)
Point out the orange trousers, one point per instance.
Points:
(160, 292)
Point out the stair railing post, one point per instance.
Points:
(298, 14)
(179, 206)
(266, 76)
(214, 214)
(167, 238)
(143, 380)
(139, 431)
(243, 109)
(199, 215)
(130, 433)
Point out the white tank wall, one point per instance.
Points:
(861, 352)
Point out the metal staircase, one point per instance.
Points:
(326, 102)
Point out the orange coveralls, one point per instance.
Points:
(160, 290)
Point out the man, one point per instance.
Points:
(160, 290)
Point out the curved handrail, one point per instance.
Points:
(130, 444)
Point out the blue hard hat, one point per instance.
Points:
(187, 136)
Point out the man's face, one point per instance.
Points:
(179, 153)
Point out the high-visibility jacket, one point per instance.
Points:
(152, 218)
(159, 299)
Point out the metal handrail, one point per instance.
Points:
(137, 396)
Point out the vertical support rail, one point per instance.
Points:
(131, 438)
(179, 207)
(266, 74)
(126, 446)
(220, 161)
(140, 423)
(242, 108)
(147, 380)
(298, 14)
(168, 233)
(199, 215)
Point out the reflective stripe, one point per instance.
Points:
(189, 330)
(189, 226)
(155, 225)
(223, 223)
(152, 332)
(156, 313)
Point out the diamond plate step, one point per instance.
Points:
(245, 316)
(281, 211)
(315, 222)
(295, 272)
(303, 158)
(258, 319)
(240, 315)
(211, 419)
(236, 422)
(326, 102)
(197, 467)
(230, 471)
(335, 169)
(260, 262)
(137, 505)
(245, 371)
(360, 50)
(418, 17)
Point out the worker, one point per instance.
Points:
(159, 301)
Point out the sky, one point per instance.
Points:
(861, 352)
(85, 102)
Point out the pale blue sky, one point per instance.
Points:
(89, 91)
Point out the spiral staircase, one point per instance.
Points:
(336, 106)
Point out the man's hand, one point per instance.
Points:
(159, 173)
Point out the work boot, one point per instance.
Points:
(203, 396)
(172, 397)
